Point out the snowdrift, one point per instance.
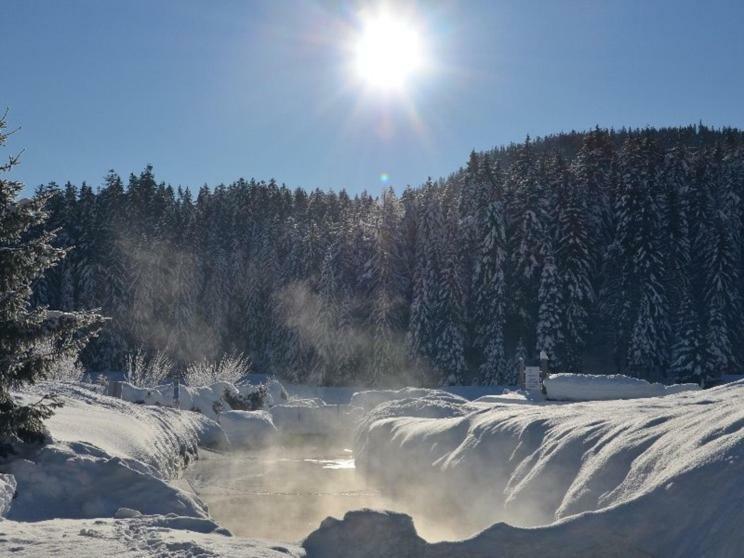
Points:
(591, 387)
(369, 399)
(656, 476)
(107, 453)
(248, 429)
(208, 400)
(162, 536)
(293, 417)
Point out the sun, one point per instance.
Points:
(388, 51)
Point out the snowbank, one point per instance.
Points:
(106, 454)
(162, 536)
(208, 400)
(77, 480)
(371, 398)
(509, 398)
(315, 419)
(590, 387)
(640, 477)
(162, 438)
(248, 429)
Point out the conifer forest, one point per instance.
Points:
(612, 251)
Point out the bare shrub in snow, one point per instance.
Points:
(66, 368)
(147, 372)
(228, 369)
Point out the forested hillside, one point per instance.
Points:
(611, 251)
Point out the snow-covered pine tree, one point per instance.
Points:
(643, 313)
(526, 231)
(31, 339)
(387, 287)
(689, 350)
(549, 327)
(450, 342)
(573, 258)
(422, 330)
(489, 288)
(720, 258)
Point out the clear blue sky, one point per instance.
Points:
(211, 91)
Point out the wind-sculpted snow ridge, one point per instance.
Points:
(106, 453)
(656, 476)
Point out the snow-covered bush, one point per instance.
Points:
(276, 393)
(253, 400)
(147, 372)
(229, 368)
(66, 368)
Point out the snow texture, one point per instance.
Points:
(162, 536)
(641, 477)
(591, 387)
(106, 454)
(208, 400)
(315, 419)
(371, 398)
(248, 429)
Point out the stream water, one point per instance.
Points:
(283, 494)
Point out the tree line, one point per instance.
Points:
(610, 250)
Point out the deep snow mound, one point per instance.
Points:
(160, 437)
(77, 480)
(248, 429)
(105, 454)
(662, 472)
(594, 387)
(369, 399)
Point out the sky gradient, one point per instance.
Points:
(208, 92)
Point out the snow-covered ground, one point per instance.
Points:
(109, 462)
(652, 476)
(643, 477)
(593, 387)
(159, 536)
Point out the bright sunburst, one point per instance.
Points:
(388, 51)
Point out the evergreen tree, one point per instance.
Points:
(31, 339)
(489, 286)
(549, 327)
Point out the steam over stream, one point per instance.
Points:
(284, 493)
